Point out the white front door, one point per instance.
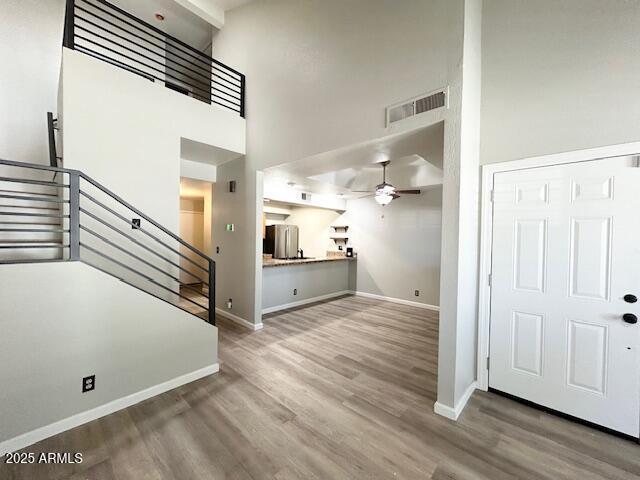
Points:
(566, 252)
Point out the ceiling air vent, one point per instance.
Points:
(416, 106)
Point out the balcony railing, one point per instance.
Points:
(106, 32)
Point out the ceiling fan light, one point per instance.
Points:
(383, 199)
(385, 189)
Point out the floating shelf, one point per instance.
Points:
(337, 239)
(340, 227)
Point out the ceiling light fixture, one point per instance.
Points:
(385, 189)
(383, 199)
(385, 192)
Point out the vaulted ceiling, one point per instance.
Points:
(415, 162)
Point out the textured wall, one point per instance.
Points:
(558, 76)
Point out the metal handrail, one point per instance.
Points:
(51, 128)
(139, 244)
(226, 85)
(74, 227)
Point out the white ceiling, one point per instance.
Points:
(415, 156)
(179, 21)
(230, 4)
(205, 153)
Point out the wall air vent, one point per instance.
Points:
(416, 106)
(306, 196)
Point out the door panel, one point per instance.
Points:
(530, 255)
(527, 342)
(590, 257)
(565, 252)
(587, 352)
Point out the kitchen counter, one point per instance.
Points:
(298, 282)
(268, 261)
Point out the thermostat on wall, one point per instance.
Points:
(230, 227)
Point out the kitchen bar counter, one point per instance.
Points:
(298, 282)
(268, 261)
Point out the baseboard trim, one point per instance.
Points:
(454, 413)
(306, 301)
(39, 434)
(426, 306)
(239, 320)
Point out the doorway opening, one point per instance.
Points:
(196, 203)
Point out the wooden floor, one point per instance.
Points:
(338, 390)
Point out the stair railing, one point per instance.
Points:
(92, 221)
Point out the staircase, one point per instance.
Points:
(53, 214)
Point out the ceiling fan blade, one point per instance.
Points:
(363, 191)
(395, 195)
(408, 192)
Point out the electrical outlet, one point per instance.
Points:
(230, 303)
(135, 223)
(217, 249)
(88, 383)
(340, 247)
(417, 293)
(295, 291)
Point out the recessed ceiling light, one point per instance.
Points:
(159, 17)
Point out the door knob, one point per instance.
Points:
(630, 318)
(630, 298)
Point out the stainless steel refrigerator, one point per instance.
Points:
(281, 241)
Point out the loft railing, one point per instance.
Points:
(88, 222)
(106, 32)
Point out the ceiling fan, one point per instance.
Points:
(385, 192)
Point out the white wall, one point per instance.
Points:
(30, 44)
(460, 213)
(236, 262)
(397, 246)
(84, 323)
(314, 231)
(558, 76)
(319, 73)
